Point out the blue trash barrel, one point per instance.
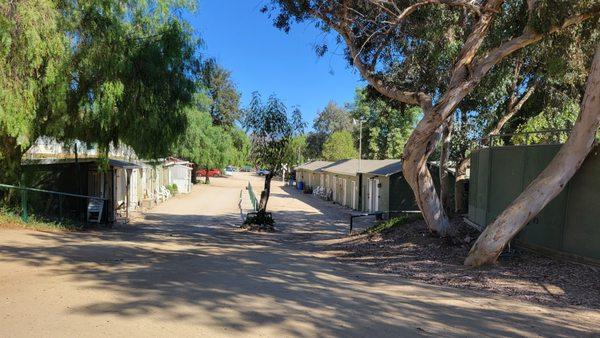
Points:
(300, 185)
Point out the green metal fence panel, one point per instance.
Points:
(569, 223)
(505, 179)
(545, 229)
(253, 199)
(481, 189)
(473, 187)
(582, 226)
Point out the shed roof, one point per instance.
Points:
(375, 167)
(112, 162)
(314, 165)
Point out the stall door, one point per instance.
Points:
(373, 195)
(344, 196)
(354, 206)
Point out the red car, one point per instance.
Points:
(211, 172)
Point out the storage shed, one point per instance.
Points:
(373, 185)
(568, 224)
(311, 174)
(178, 172)
(384, 187)
(118, 184)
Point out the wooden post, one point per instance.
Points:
(24, 211)
(128, 179)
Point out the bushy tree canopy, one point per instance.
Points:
(218, 85)
(105, 73)
(386, 125)
(339, 146)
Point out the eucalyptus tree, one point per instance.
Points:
(270, 132)
(549, 183)
(538, 89)
(297, 147)
(435, 53)
(224, 109)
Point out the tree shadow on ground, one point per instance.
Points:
(411, 252)
(201, 270)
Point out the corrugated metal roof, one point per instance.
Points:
(314, 165)
(123, 164)
(375, 167)
(112, 162)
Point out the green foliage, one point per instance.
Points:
(225, 99)
(419, 55)
(34, 55)
(297, 122)
(339, 146)
(314, 145)
(295, 152)
(241, 147)
(331, 119)
(172, 188)
(104, 72)
(271, 132)
(393, 223)
(552, 118)
(134, 86)
(12, 219)
(386, 126)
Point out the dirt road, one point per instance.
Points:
(185, 270)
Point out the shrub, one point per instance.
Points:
(172, 188)
(393, 222)
(259, 222)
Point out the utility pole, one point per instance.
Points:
(359, 144)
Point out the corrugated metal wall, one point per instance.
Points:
(570, 223)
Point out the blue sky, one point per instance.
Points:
(264, 59)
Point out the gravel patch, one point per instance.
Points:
(409, 251)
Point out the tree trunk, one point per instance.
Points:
(194, 173)
(206, 178)
(445, 184)
(10, 161)
(264, 195)
(419, 146)
(549, 183)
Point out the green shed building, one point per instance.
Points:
(311, 174)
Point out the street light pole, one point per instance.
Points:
(359, 144)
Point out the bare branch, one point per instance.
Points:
(416, 98)
(513, 109)
(469, 4)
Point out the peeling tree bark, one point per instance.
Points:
(417, 150)
(549, 183)
(445, 184)
(467, 72)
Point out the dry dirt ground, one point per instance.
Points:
(183, 269)
(410, 251)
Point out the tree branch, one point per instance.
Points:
(416, 98)
(484, 64)
(410, 9)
